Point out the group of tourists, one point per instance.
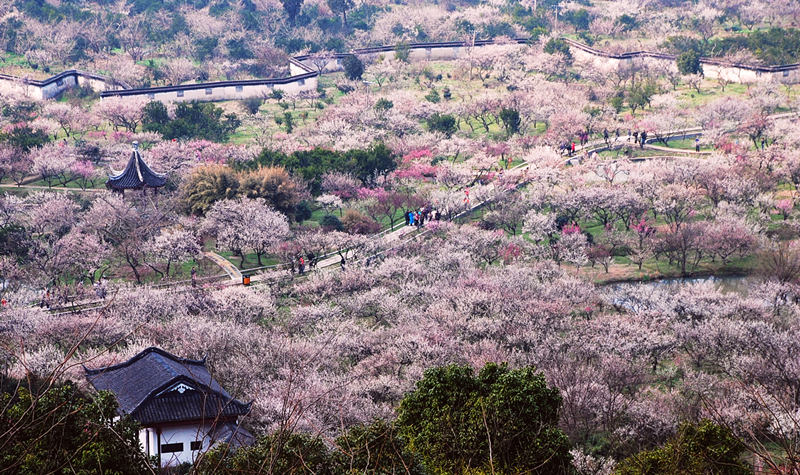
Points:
(417, 218)
(607, 135)
(569, 147)
(638, 137)
(308, 261)
(60, 296)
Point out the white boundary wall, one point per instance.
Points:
(303, 74)
(712, 68)
(53, 86)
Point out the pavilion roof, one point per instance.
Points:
(136, 175)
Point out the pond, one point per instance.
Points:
(729, 283)
(637, 295)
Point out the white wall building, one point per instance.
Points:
(182, 410)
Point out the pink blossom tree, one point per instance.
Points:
(246, 225)
(173, 245)
(53, 162)
(121, 112)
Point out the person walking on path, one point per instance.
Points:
(644, 139)
(572, 149)
(605, 136)
(408, 218)
(411, 218)
(697, 144)
(302, 265)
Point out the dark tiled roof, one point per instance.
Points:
(144, 385)
(136, 175)
(190, 406)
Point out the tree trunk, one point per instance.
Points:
(133, 268)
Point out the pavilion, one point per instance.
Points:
(181, 409)
(136, 175)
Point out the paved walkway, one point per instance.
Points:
(51, 188)
(388, 237)
(675, 150)
(233, 272)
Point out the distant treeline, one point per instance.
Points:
(771, 47)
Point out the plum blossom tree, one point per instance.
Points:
(53, 162)
(330, 203)
(246, 225)
(677, 204)
(71, 119)
(178, 70)
(79, 255)
(641, 242)
(121, 112)
(509, 214)
(172, 245)
(540, 227)
(49, 214)
(8, 155)
(571, 246)
(730, 236)
(383, 203)
(85, 173)
(683, 246)
(125, 224)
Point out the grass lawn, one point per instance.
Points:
(98, 184)
(685, 144)
(16, 65)
(636, 152)
(250, 260)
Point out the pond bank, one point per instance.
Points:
(720, 274)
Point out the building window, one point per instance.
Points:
(301, 82)
(60, 82)
(196, 445)
(209, 91)
(171, 448)
(151, 96)
(786, 74)
(180, 93)
(239, 88)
